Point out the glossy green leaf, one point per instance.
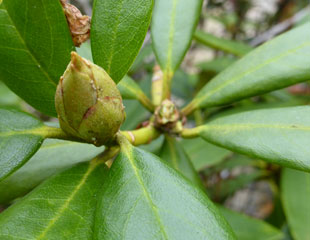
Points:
(280, 135)
(63, 207)
(173, 153)
(204, 154)
(54, 156)
(229, 46)
(35, 46)
(173, 25)
(250, 228)
(281, 62)
(296, 198)
(117, 33)
(143, 198)
(19, 139)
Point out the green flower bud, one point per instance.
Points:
(168, 118)
(166, 113)
(88, 104)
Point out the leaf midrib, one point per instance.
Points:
(128, 152)
(114, 37)
(209, 94)
(61, 210)
(168, 67)
(43, 70)
(38, 131)
(249, 126)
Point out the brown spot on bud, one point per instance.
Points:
(79, 24)
(90, 111)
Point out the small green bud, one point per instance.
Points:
(88, 103)
(168, 118)
(167, 113)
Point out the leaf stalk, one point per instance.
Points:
(191, 132)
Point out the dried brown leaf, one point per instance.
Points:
(79, 24)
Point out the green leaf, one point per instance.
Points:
(173, 26)
(54, 156)
(117, 33)
(173, 153)
(296, 198)
(35, 46)
(280, 136)
(20, 138)
(143, 198)
(63, 207)
(281, 62)
(204, 154)
(250, 228)
(129, 89)
(229, 46)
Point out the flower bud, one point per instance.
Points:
(166, 113)
(168, 118)
(88, 104)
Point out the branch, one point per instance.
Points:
(191, 132)
(142, 135)
(136, 137)
(281, 27)
(157, 85)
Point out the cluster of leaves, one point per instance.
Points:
(64, 190)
